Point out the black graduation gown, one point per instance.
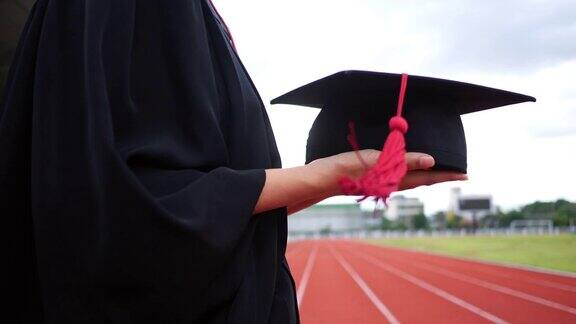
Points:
(133, 146)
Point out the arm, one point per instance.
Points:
(300, 187)
(296, 188)
(303, 205)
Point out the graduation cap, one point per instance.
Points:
(360, 109)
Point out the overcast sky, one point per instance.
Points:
(518, 154)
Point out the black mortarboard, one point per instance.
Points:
(432, 108)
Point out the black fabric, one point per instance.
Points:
(432, 108)
(133, 148)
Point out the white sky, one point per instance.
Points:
(518, 154)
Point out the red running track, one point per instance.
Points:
(342, 281)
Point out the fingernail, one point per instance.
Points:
(426, 162)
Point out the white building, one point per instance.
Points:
(403, 209)
(330, 218)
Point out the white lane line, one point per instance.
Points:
(498, 266)
(539, 282)
(550, 284)
(524, 268)
(498, 288)
(365, 288)
(306, 275)
(433, 289)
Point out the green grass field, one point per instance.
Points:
(553, 252)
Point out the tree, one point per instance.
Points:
(565, 214)
(398, 226)
(325, 231)
(561, 212)
(539, 210)
(420, 222)
(454, 221)
(507, 218)
(385, 223)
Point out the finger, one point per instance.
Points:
(419, 161)
(426, 178)
(431, 177)
(370, 157)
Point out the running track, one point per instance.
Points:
(352, 282)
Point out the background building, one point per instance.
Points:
(338, 218)
(403, 210)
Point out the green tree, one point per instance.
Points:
(561, 212)
(565, 213)
(507, 218)
(399, 226)
(325, 231)
(385, 223)
(539, 210)
(420, 222)
(454, 222)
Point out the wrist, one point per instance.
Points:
(325, 177)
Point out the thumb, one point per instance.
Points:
(419, 161)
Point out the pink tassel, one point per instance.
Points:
(384, 178)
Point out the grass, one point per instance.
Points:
(556, 252)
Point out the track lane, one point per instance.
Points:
(508, 306)
(412, 300)
(332, 296)
(497, 274)
(555, 292)
(292, 248)
(567, 280)
(297, 260)
(303, 282)
(385, 311)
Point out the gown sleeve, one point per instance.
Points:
(139, 190)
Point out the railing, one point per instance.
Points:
(365, 234)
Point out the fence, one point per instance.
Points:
(367, 234)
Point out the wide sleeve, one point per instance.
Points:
(137, 197)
